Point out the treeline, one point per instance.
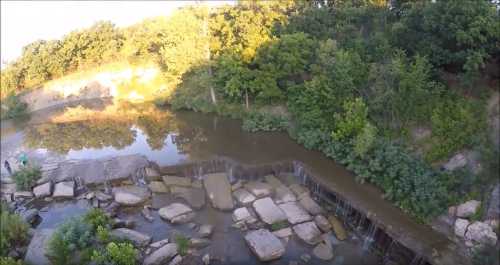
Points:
(355, 75)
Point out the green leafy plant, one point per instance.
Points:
(103, 234)
(13, 107)
(115, 254)
(26, 177)
(96, 218)
(256, 121)
(13, 231)
(279, 225)
(182, 244)
(10, 261)
(72, 236)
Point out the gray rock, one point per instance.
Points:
(23, 194)
(242, 214)
(103, 197)
(176, 181)
(284, 232)
(177, 213)
(199, 242)
(206, 259)
(273, 181)
(295, 213)
(259, 189)
(236, 186)
(461, 227)
(457, 161)
(7, 188)
(323, 251)
(161, 255)
(243, 196)
(29, 215)
(268, 211)
(130, 195)
(158, 187)
(322, 223)
(151, 174)
(159, 244)
(195, 197)
(493, 210)
(44, 190)
(138, 239)
(64, 189)
(310, 205)
(37, 248)
(284, 195)
(146, 213)
(467, 209)
(205, 230)
(176, 260)
(299, 190)
(481, 233)
(219, 191)
(264, 245)
(308, 232)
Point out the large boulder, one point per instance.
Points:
(243, 196)
(338, 228)
(481, 233)
(177, 213)
(158, 187)
(219, 191)
(461, 227)
(37, 248)
(268, 211)
(310, 205)
(468, 208)
(259, 189)
(176, 181)
(308, 232)
(322, 223)
(242, 214)
(137, 238)
(323, 251)
(295, 213)
(130, 195)
(64, 189)
(43, 190)
(195, 197)
(264, 245)
(161, 255)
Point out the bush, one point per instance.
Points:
(26, 177)
(13, 232)
(116, 254)
(103, 235)
(73, 235)
(13, 107)
(96, 218)
(256, 121)
(10, 261)
(182, 244)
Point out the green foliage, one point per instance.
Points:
(352, 121)
(13, 232)
(10, 261)
(182, 244)
(115, 254)
(279, 225)
(13, 107)
(103, 234)
(96, 218)
(72, 236)
(26, 177)
(258, 121)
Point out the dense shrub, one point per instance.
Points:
(10, 261)
(13, 231)
(13, 107)
(72, 236)
(257, 121)
(97, 218)
(115, 254)
(26, 177)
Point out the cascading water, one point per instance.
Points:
(369, 237)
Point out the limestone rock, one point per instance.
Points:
(137, 238)
(159, 244)
(177, 213)
(264, 245)
(259, 189)
(461, 227)
(295, 213)
(322, 223)
(130, 195)
(37, 248)
(338, 228)
(268, 211)
(199, 242)
(195, 197)
(284, 194)
(310, 205)
(299, 190)
(323, 251)
(158, 187)
(23, 194)
(457, 161)
(493, 211)
(243, 196)
(44, 190)
(242, 214)
(7, 188)
(308, 232)
(103, 197)
(176, 181)
(64, 189)
(218, 189)
(481, 233)
(205, 230)
(151, 174)
(176, 260)
(161, 255)
(284, 232)
(467, 209)
(273, 181)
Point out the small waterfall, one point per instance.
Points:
(370, 236)
(387, 253)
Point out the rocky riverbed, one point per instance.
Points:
(226, 220)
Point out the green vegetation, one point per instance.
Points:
(355, 77)
(13, 107)
(13, 232)
(97, 218)
(115, 254)
(26, 177)
(10, 261)
(182, 244)
(486, 255)
(279, 225)
(72, 236)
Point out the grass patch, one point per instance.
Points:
(26, 177)
(182, 244)
(279, 225)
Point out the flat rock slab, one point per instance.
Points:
(283, 194)
(273, 181)
(177, 213)
(310, 205)
(264, 245)
(37, 247)
(97, 171)
(130, 195)
(295, 213)
(243, 196)
(195, 197)
(259, 189)
(468, 208)
(158, 187)
(323, 251)
(176, 181)
(219, 191)
(43, 190)
(299, 190)
(137, 238)
(268, 211)
(64, 189)
(241, 214)
(161, 255)
(308, 232)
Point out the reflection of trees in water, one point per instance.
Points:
(156, 128)
(62, 137)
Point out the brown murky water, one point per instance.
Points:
(170, 138)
